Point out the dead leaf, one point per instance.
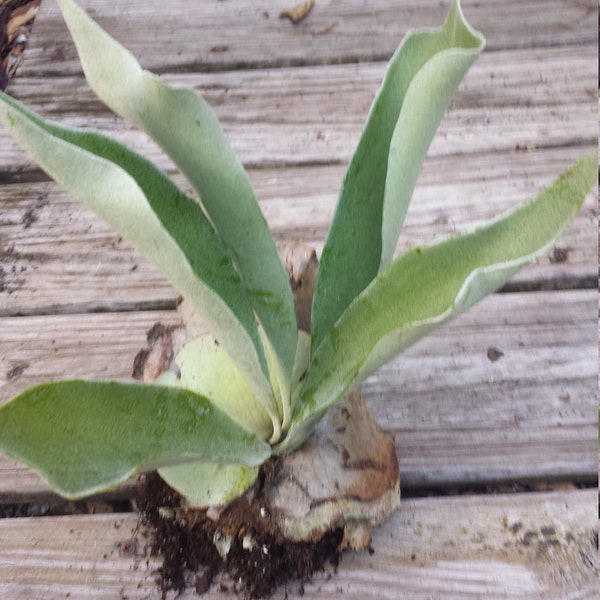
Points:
(299, 12)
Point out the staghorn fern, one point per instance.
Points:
(274, 382)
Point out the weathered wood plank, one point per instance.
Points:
(516, 546)
(43, 348)
(524, 98)
(197, 36)
(458, 417)
(58, 257)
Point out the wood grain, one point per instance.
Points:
(531, 98)
(505, 394)
(58, 257)
(515, 546)
(531, 414)
(201, 36)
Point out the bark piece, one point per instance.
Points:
(344, 475)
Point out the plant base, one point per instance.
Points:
(304, 509)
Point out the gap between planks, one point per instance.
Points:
(518, 546)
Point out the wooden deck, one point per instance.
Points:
(76, 301)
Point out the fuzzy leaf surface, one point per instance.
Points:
(424, 288)
(207, 369)
(85, 436)
(185, 126)
(149, 211)
(209, 484)
(419, 83)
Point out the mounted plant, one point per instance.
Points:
(257, 386)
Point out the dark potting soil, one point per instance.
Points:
(259, 558)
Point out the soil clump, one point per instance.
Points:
(243, 541)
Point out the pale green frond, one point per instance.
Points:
(208, 484)
(185, 126)
(208, 370)
(83, 437)
(424, 288)
(420, 81)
